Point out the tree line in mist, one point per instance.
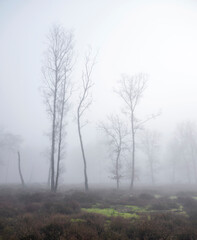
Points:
(125, 133)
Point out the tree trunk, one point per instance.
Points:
(188, 172)
(19, 169)
(133, 153)
(58, 160)
(53, 139)
(151, 169)
(117, 183)
(83, 153)
(173, 173)
(60, 140)
(194, 163)
(49, 176)
(117, 170)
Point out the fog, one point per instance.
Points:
(157, 38)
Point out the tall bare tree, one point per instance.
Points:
(57, 92)
(131, 89)
(150, 146)
(85, 100)
(116, 133)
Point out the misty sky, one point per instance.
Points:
(155, 37)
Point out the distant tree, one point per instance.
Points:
(57, 92)
(131, 89)
(116, 133)
(10, 142)
(85, 100)
(185, 142)
(150, 146)
(19, 169)
(174, 152)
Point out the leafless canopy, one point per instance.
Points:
(57, 66)
(131, 89)
(57, 92)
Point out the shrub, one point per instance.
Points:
(119, 224)
(193, 216)
(188, 202)
(29, 237)
(146, 196)
(164, 204)
(82, 231)
(33, 207)
(52, 231)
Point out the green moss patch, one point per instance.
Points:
(73, 220)
(173, 197)
(110, 212)
(157, 196)
(136, 209)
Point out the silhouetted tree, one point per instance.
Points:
(131, 89)
(57, 92)
(10, 142)
(185, 142)
(85, 100)
(116, 133)
(150, 146)
(174, 154)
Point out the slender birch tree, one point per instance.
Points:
(131, 89)
(57, 92)
(85, 100)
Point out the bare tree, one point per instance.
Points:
(19, 169)
(174, 155)
(57, 92)
(150, 146)
(85, 100)
(10, 143)
(191, 145)
(116, 133)
(131, 90)
(186, 144)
